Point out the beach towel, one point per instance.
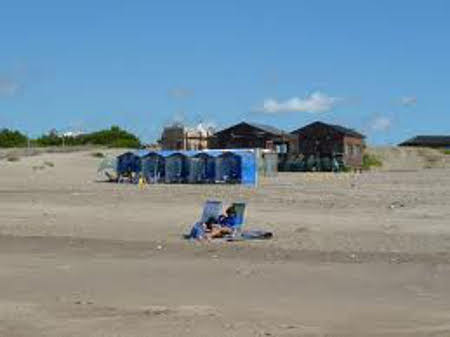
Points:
(253, 234)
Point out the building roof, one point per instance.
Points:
(432, 140)
(267, 128)
(262, 127)
(338, 128)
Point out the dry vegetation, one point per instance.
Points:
(405, 158)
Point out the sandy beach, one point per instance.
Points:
(352, 254)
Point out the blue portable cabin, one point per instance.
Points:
(128, 163)
(229, 168)
(176, 165)
(176, 168)
(201, 168)
(153, 167)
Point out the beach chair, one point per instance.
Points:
(211, 209)
(244, 235)
(239, 207)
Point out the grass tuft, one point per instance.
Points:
(98, 155)
(370, 160)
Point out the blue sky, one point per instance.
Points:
(382, 67)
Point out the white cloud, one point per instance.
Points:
(8, 87)
(408, 100)
(381, 124)
(315, 103)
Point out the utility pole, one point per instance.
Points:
(28, 144)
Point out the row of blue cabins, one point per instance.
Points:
(207, 166)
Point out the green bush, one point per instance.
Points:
(124, 142)
(10, 138)
(370, 160)
(113, 137)
(346, 169)
(446, 151)
(49, 140)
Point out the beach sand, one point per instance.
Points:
(352, 255)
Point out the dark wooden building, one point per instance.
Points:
(321, 140)
(428, 141)
(253, 135)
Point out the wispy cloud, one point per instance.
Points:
(314, 103)
(9, 87)
(180, 92)
(408, 100)
(381, 124)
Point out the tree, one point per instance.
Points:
(10, 138)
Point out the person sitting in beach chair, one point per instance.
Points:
(214, 225)
(229, 219)
(211, 211)
(215, 230)
(224, 225)
(208, 230)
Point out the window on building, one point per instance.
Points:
(281, 148)
(351, 150)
